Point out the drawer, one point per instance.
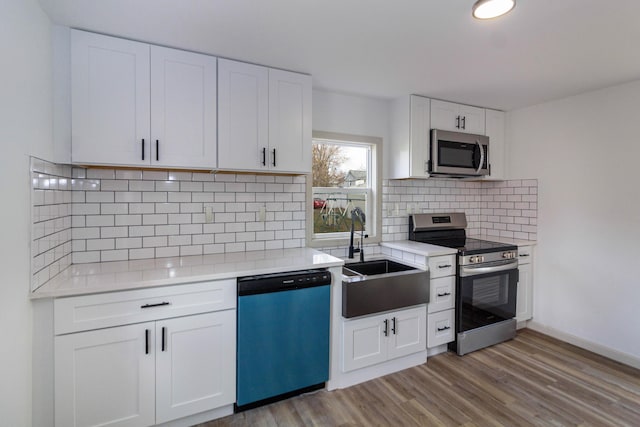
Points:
(86, 312)
(525, 253)
(442, 294)
(440, 266)
(440, 328)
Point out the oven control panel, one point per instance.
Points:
(491, 257)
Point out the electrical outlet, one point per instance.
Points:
(396, 209)
(262, 214)
(208, 214)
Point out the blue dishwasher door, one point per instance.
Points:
(283, 342)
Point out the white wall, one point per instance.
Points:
(352, 114)
(584, 150)
(25, 128)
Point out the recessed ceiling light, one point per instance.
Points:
(487, 9)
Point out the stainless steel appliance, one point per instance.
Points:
(459, 154)
(486, 281)
(283, 336)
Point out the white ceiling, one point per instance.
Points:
(542, 50)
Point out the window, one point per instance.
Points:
(345, 176)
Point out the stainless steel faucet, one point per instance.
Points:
(358, 214)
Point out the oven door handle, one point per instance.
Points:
(472, 271)
(481, 156)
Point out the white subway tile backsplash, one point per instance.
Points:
(103, 215)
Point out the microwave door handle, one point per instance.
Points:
(481, 156)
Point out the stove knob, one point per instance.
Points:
(473, 259)
(506, 255)
(481, 258)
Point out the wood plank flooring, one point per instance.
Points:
(531, 380)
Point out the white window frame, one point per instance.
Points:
(373, 225)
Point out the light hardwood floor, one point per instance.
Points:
(531, 380)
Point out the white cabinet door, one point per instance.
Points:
(524, 303)
(495, 130)
(195, 358)
(445, 115)
(365, 342)
(109, 100)
(420, 135)
(243, 116)
(289, 121)
(472, 119)
(183, 109)
(106, 377)
(457, 117)
(408, 332)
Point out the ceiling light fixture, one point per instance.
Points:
(488, 9)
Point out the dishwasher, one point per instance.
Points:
(283, 336)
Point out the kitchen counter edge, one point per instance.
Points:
(101, 277)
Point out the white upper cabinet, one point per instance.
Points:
(457, 117)
(139, 105)
(495, 124)
(264, 119)
(410, 127)
(243, 117)
(183, 109)
(110, 91)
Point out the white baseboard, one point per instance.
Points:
(618, 356)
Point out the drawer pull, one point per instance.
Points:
(523, 255)
(444, 328)
(155, 305)
(444, 294)
(445, 266)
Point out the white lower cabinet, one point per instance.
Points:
(441, 328)
(195, 369)
(146, 373)
(524, 302)
(442, 300)
(105, 377)
(376, 339)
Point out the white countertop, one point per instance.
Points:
(81, 279)
(423, 249)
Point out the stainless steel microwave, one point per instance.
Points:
(457, 154)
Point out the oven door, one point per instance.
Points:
(485, 295)
(454, 153)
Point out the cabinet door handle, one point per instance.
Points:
(444, 294)
(142, 148)
(386, 327)
(274, 157)
(464, 122)
(444, 266)
(457, 122)
(264, 156)
(155, 305)
(146, 341)
(157, 150)
(393, 326)
(444, 328)
(164, 334)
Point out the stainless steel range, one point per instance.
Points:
(486, 281)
